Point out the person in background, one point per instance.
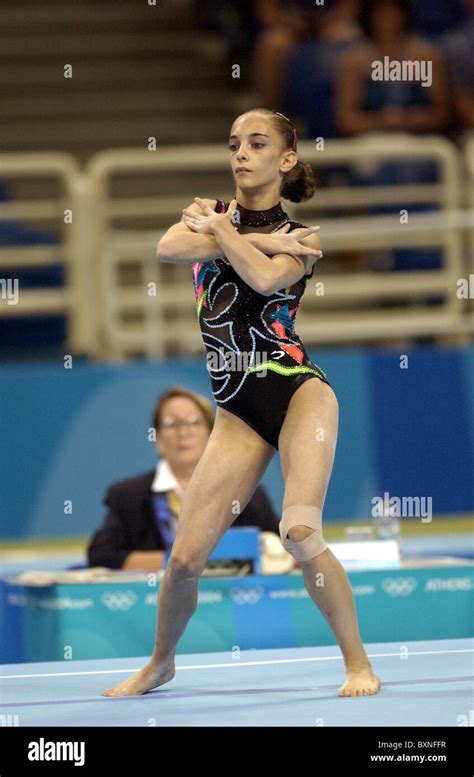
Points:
(458, 46)
(283, 26)
(143, 511)
(312, 69)
(433, 18)
(364, 104)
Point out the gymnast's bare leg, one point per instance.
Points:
(222, 484)
(307, 444)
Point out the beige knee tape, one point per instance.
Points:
(303, 515)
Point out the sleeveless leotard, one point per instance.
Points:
(255, 359)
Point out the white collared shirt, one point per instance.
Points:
(164, 480)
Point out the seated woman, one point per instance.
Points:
(365, 102)
(141, 523)
(393, 81)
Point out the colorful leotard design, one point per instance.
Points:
(255, 359)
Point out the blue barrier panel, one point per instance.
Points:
(71, 433)
(108, 620)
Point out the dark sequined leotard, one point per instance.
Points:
(255, 359)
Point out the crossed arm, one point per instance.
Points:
(256, 257)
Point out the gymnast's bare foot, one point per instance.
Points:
(151, 676)
(361, 681)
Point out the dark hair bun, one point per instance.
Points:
(299, 184)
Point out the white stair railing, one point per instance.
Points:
(65, 212)
(337, 315)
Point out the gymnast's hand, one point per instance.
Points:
(284, 242)
(205, 222)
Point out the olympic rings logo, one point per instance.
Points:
(399, 586)
(118, 600)
(247, 595)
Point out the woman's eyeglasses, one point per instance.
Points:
(170, 425)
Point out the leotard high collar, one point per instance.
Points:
(260, 218)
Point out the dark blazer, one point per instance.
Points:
(131, 525)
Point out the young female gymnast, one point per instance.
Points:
(254, 263)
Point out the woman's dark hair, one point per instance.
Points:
(298, 185)
(370, 7)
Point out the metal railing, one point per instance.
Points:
(469, 196)
(111, 318)
(65, 212)
(334, 316)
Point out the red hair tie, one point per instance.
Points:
(294, 140)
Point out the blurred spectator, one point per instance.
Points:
(365, 104)
(432, 18)
(313, 66)
(368, 103)
(284, 25)
(143, 511)
(235, 22)
(459, 49)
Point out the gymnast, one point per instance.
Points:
(250, 264)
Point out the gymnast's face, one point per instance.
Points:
(256, 146)
(182, 433)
